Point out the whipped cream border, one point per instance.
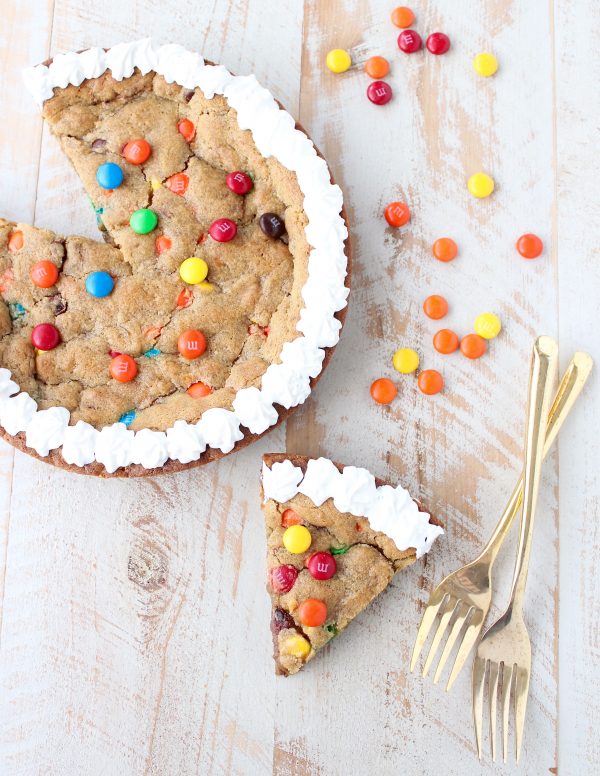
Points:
(324, 293)
(389, 510)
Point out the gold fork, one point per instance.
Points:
(467, 593)
(504, 652)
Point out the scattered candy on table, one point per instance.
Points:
(137, 151)
(379, 92)
(191, 344)
(45, 336)
(272, 225)
(487, 325)
(296, 646)
(16, 241)
(43, 274)
(444, 249)
(99, 284)
(338, 60)
(283, 578)
(435, 307)
(409, 41)
(223, 230)
(289, 517)
(162, 244)
(178, 183)
(186, 128)
(239, 182)
(473, 346)
(397, 214)
(405, 360)
(530, 246)
(485, 64)
(296, 539)
(199, 390)
(383, 391)
(109, 176)
(480, 185)
(123, 368)
(321, 565)
(430, 382)
(402, 16)
(312, 613)
(377, 67)
(438, 43)
(193, 270)
(445, 341)
(143, 221)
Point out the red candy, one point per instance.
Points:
(379, 92)
(283, 578)
(438, 43)
(239, 182)
(321, 565)
(223, 230)
(45, 336)
(289, 517)
(409, 41)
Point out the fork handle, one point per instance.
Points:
(571, 385)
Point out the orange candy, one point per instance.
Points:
(445, 341)
(178, 183)
(444, 249)
(184, 299)
(186, 128)
(402, 17)
(473, 346)
(397, 214)
(162, 244)
(44, 274)
(199, 390)
(430, 381)
(289, 517)
(123, 368)
(137, 151)
(15, 241)
(191, 344)
(312, 613)
(435, 307)
(377, 67)
(383, 391)
(530, 246)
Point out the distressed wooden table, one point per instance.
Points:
(134, 631)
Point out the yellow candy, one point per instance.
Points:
(338, 60)
(487, 325)
(405, 360)
(485, 64)
(480, 185)
(155, 183)
(297, 539)
(193, 270)
(206, 287)
(296, 645)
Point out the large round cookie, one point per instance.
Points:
(271, 307)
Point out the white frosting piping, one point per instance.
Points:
(389, 510)
(324, 294)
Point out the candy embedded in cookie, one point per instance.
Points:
(336, 536)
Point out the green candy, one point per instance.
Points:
(143, 221)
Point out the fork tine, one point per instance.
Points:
(471, 635)
(439, 634)
(507, 677)
(429, 616)
(521, 693)
(454, 634)
(493, 693)
(479, 667)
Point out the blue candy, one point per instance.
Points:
(109, 175)
(99, 284)
(128, 417)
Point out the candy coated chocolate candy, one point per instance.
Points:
(409, 41)
(45, 336)
(177, 183)
(283, 578)
(223, 230)
(296, 646)
(473, 346)
(377, 67)
(430, 382)
(99, 284)
(191, 344)
(530, 246)
(312, 613)
(487, 325)
(438, 43)
(186, 128)
(383, 391)
(435, 307)
(281, 620)
(109, 175)
(397, 214)
(379, 92)
(137, 151)
(338, 60)
(444, 249)
(239, 182)
(480, 185)
(405, 360)
(445, 341)
(297, 539)
(199, 390)
(193, 270)
(402, 16)
(123, 368)
(272, 225)
(143, 221)
(485, 64)
(321, 565)
(44, 274)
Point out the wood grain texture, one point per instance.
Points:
(134, 633)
